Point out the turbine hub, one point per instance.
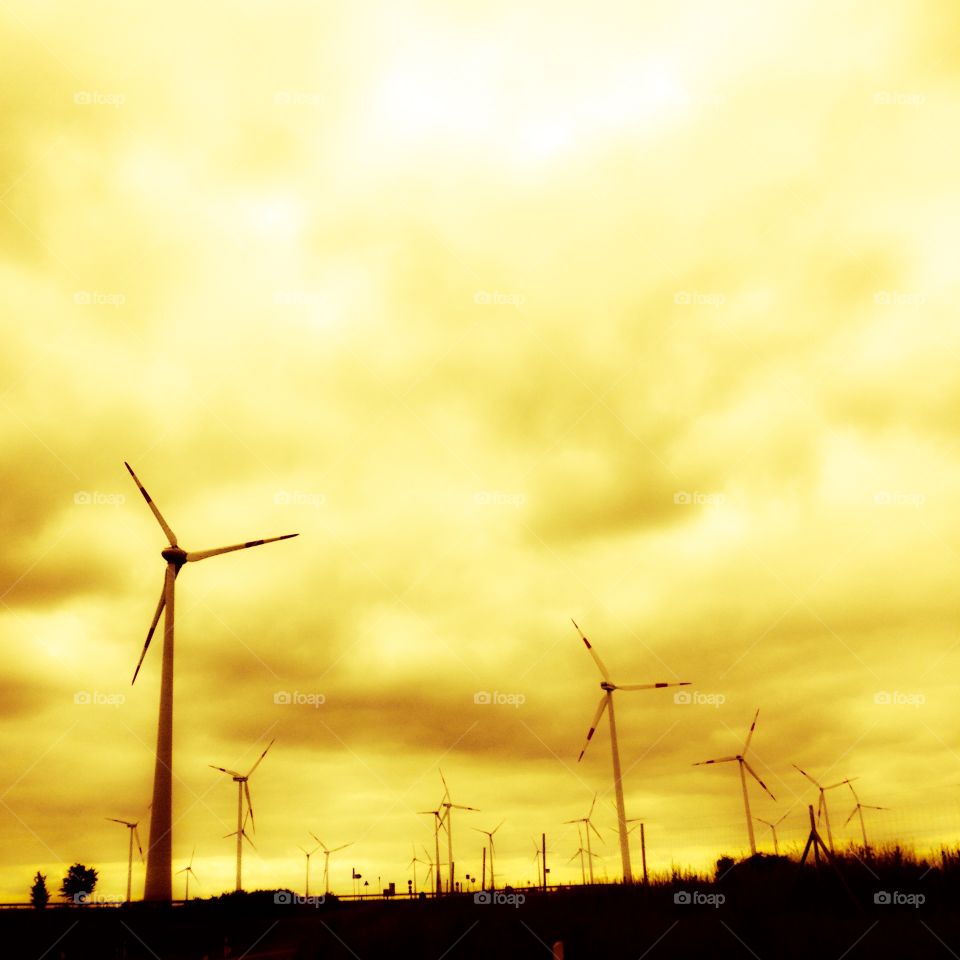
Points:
(605, 685)
(175, 555)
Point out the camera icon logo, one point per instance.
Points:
(482, 896)
(282, 696)
(682, 696)
(482, 696)
(881, 897)
(681, 896)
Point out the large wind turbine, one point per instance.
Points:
(858, 809)
(159, 880)
(132, 827)
(243, 789)
(326, 859)
(741, 760)
(490, 833)
(606, 703)
(822, 804)
(449, 806)
(588, 826)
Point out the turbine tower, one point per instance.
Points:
(132, 827)
(438, 824)
(741, 760)
(243, 789)
(159, 881)
(606, 703)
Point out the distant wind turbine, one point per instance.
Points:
(449, 806)
(132, 827)
(858, 809)
(490, 833)
(741, 760)
(588, 826)
(822, 803)
(159, 880)
(188, 870)
(413, 863)
(243, 789)
(309, 854)
(773, 829)
(326, 859)
(438, 825)
(606, 703)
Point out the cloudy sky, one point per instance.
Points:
(641, 314)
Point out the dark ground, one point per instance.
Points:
(768, 910)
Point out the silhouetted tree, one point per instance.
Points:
(78, 884)
(39, 894)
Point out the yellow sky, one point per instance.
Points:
(471, 297)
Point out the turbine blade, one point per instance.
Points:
(840, 783)
(852, 812)
(262, 755)
(753, 774)
(701, 763)
(246, 790)
(753, 727)
(344, 847)
(604, 672)
(446, 789)
(203, 554)
(807, 775)
(136, 836)
(232, 773)
(496, 828)
(153, 626)
(171, 536)
(593, 803)
(192, 854)
(593, 725)
(651, 686)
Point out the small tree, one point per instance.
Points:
(78, 884)
(39, 895)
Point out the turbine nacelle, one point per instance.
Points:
(174, 555)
